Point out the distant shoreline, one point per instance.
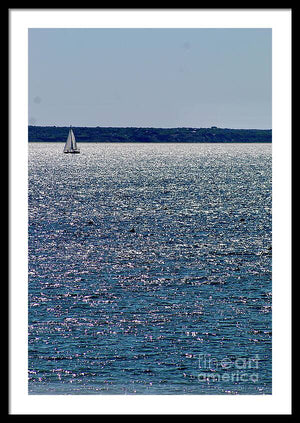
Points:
(149, 135)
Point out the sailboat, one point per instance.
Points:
(71, 145)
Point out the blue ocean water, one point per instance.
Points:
(150, 269)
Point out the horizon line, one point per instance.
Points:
(153, 127)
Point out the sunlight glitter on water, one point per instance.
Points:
(142, 257)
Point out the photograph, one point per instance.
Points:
(150, 247)
(150, 227)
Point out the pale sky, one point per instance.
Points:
(159, 78)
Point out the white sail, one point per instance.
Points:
(71, 145)
(74, 145)
(68, 145)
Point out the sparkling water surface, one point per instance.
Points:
(150, 269)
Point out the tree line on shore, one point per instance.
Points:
(131, 134)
